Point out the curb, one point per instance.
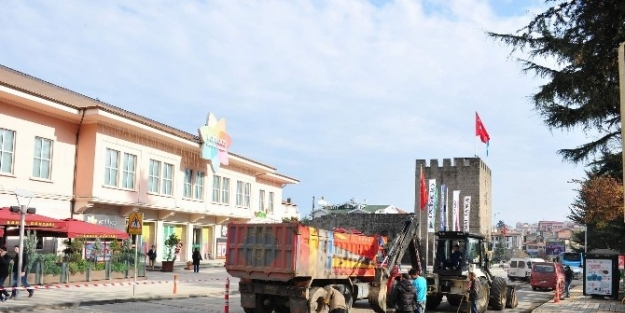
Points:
(76, 304)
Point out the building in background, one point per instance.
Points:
(89, 160)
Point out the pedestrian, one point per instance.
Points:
(177, 251)
(196, 257)
(152, 256)
(421, 289)
(5, 259)
(568, 279)
(334, 300)
(472, 290)
(403, 297)
(20, 273)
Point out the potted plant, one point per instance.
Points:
(189, 265)
(170, 243)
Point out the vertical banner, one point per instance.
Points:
(446, 211)
(442, 208)
(431, 204)
(467, 213)
(456, 208)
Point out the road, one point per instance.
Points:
(528, 300)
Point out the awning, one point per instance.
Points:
(7, 218)
(76, 229)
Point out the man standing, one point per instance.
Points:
(421, 288)
(404, 297)
(5, 259)
(568, 278)
(152, 256)
(473, 292)
(20, 273)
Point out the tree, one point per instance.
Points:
(582, 87)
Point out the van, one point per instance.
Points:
(521, 268)
(547, 275)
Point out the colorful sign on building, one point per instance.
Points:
(215, 141)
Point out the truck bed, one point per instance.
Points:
(283, 251)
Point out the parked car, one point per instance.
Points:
(547, 275)
(521, 268)
(577, 272)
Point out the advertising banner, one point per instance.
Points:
(598, 278)
(431, 204)
(467, 213)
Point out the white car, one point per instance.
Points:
(577, 272)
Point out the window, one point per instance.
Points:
(225, 190)
(7, 144)
(42, 158)
(216, 187)
(111, 167)
(270, 203)
(261, 201)
(128, 172)
(239, 193)
(199, 186)
(154, 176)
(168, 178)
(246, 195)
(188, 182)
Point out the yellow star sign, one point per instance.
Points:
(135, 223)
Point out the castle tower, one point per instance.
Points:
(469, 175)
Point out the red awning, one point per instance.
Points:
(76, 229)
(7, 218)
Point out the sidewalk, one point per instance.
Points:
(157, 285)
(581, 304)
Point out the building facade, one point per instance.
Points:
(89, 160)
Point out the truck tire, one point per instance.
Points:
(433, 301)
(377, 298)
(316, 293)
(498, 296)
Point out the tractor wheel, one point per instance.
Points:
(513, 300)
(316, 294)
(377, 298)
(482, 295)
(454, 300)
(498, 295)
(433, 301)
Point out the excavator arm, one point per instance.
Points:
(407, 238)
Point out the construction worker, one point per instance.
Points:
(404, 295)
(472, 290)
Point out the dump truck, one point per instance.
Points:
(284, 267)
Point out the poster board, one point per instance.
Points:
(601, 275)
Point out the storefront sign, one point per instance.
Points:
(111, 221)
(215, 141)
(36, 224)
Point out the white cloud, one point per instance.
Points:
(343, 95)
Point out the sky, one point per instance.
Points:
(342, 95)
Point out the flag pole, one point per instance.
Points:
(420, 204)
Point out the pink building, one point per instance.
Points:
(89, 160)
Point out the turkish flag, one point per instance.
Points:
(480, 130)
(423, 192)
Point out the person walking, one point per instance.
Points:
(20, 273)
(196, 257)
(421, 289)
(152, 256)
(335, 300)
(473, 292)
(5, 259)
(403, 297)
(568, 279)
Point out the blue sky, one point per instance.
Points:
(343, 95)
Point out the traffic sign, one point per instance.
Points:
(135, 223)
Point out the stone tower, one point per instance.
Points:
(469, 175)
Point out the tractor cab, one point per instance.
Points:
(457, 252)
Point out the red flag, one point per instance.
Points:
(423, 192)
(503, 231)
(480, 130)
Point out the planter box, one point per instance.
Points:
(97, 275)
(167, 266)
(117, 275)
(78, 277)
(51, 279)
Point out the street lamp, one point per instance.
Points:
(22, 209)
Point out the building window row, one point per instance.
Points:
(193, 187)
(114, 164)
(42, 156)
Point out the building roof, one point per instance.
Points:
(40, 88)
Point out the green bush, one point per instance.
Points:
(51, 266)
(119, 267)
(77, 267)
